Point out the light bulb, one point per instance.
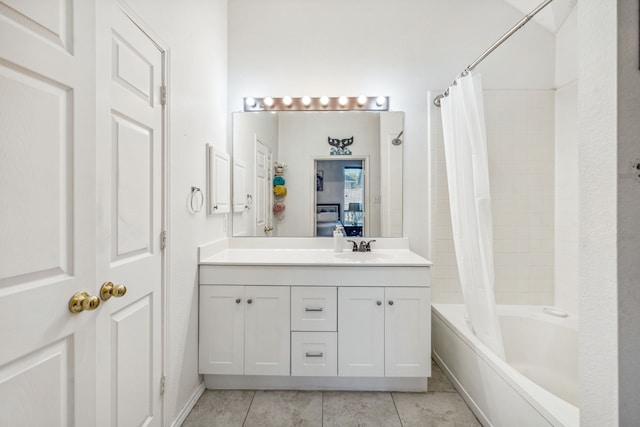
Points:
(324, 101)
(362, 100)
(343, 101)
(306, 101)
(268, 101)
(380, 100)
(250, 102)
(287, 101)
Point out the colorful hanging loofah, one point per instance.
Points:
(278, 180)
(278, 207)
(280, 190)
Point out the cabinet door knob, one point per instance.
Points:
(238, 300)
(249, 301)
(390, 302)
(379, 302)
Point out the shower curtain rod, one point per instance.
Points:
(474, 64)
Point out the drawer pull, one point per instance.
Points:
(317, 354)
(313, 309)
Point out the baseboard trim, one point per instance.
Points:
(267, 382)
(189, 406)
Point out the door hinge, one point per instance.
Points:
(163, 239)
(163, 382)
(163, 95)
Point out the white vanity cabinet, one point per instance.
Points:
(244, 330)
(280, 318)
(384, 332)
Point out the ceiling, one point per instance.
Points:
(551, 17)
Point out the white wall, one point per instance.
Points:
(598, 263)
(567, 291)
(196, 33)
(608, 93)
(401, 48)
(520, 140)
(567, 51)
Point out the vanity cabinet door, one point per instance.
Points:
(221, 330)
(407, 332)
(267, 330)
(361, 332)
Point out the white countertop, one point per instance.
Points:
(315, 257)
(307, 252)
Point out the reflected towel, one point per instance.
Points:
(280, 190)
(278, 180)
(278, 207)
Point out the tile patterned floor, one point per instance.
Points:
(441, 406)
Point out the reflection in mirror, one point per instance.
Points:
(324, 158)
(341, 186)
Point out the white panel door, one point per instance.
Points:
(360, 332)
(47, 220)
(407, 332)
(129, 212)
(240, 202)
(269, 191)
(222, 330)
(219, 181)
(261, 189)
(266, 330)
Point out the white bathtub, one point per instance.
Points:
(539, 384)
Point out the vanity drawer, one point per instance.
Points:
(314, 308)
(314, 354)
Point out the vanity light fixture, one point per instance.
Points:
(323, 103)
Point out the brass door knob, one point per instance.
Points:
(82, 301)
(109, 290)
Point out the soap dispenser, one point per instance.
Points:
(338, 243)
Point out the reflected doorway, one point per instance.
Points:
(341, 196)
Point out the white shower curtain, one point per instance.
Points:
(465, 142)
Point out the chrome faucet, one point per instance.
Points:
(367, 246)
(364, 246)
(354, 248)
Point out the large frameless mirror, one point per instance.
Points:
(301, 174)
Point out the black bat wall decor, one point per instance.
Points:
(339, 146)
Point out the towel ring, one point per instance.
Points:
(196, 207)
